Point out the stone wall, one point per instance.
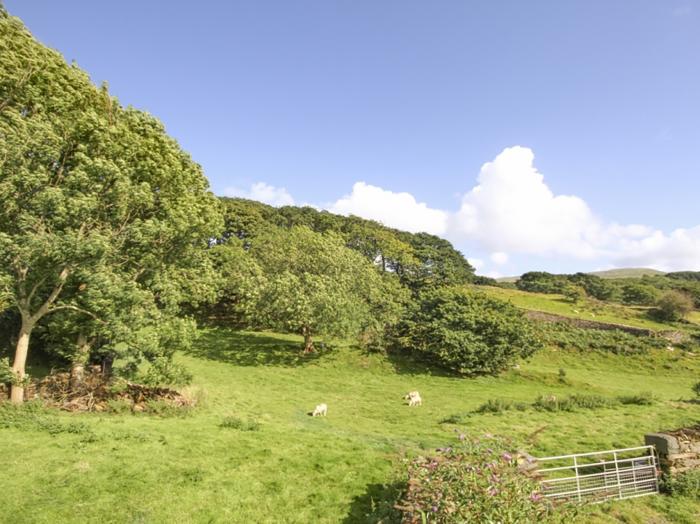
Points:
(678, 450)
(675, 337)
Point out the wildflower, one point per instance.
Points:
(507, 456)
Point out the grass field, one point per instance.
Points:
(294, 468)
(589, 310)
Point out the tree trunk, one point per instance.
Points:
(308, 342)
(77, 370)
(20, 362)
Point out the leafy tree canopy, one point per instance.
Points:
(468, 332)
(94, 198)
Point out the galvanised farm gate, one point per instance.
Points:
(600, 475)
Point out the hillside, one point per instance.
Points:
(250, 452)
(589, 310)
(630, 272)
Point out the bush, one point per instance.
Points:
(6, 375)
(498, 405)
(640, 399)
(562, 376)
(162, 371)
(232, 422)
(476, 480)
(570, 403)
(673, 306)
(696, 389)
(639, 294)
(684, 484)
(468, 332)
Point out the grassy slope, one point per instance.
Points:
(627, 272)
(589, 310)
(134, 468)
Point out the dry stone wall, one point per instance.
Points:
(679, 450)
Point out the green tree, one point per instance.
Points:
(239, 282)
(639, 294)
(542, 282)
(316, 286)
(439, 263)
(574, 293)
(88, 184)
(673, 306)
(468, 332)
(594, 286)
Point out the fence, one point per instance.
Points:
(600, 476)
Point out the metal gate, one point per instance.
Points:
(600, 476)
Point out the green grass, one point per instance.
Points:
(251, 452)
(588, 310)
(694, 317)
(627, 272)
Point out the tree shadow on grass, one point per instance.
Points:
(405, 363)
(250, 349)
(376, 505)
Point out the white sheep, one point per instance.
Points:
(320, 411)
(413, 398)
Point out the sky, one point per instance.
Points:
(543, 135)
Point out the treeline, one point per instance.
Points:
(315, 273)
(112, 245)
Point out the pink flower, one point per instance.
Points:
(507, 456)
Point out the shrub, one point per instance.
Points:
(696, 389)
(570, 403)
(498, 405)
(476, 480)
(673, 306)
(562, 376)
(164, 372)
(640, 399)
(639, 294)
(468, 332)
(232, 422)
(574, 293)
(6, 375)
(684, 484)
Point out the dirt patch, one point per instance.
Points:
(99, 393)
(686, 434)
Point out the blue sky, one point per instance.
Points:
(348, 104)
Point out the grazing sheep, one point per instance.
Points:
(413, 398)
(320, 411)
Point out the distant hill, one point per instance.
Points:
(625, 272)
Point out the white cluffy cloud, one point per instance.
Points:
(262, 192)
(398, 210)
(513, 210)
